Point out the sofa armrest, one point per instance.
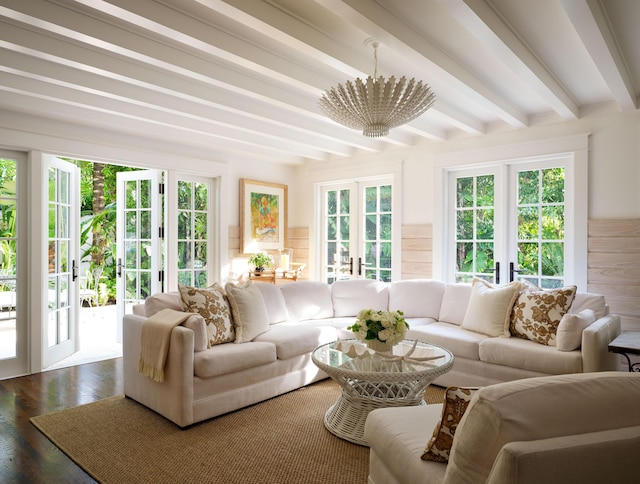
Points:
(595, 340)
(605, 456)
(173, 398)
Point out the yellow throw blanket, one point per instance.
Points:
(154, 341)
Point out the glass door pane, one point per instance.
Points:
(474, 227)
(337, 233)
(541, 226)
(378, 233)
(63, 234)
(193, 224)
(8, 258)
(139, 254)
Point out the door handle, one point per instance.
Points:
(351, 265)
(361, 265)
(119, 268)
(512, 271)
(74, 270)
(496, 271)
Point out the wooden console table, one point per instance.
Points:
(272, 275)
(627, 343)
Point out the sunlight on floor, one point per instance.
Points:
(97, 337)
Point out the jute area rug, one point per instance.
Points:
(282, 440)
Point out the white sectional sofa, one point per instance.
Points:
(202, 382)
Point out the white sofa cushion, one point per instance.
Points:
(529, 355)
(249, 312)
(459, 341)
(454, 303)
(297, 340)
(489, 308)
(589, 300)
(397, 437)
(162, 300)
(308, 300)
(539, 408)
(274, 302)
(231, 358)
(352, 296)
(418, 298)
(569, 333)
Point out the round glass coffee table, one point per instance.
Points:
(371, 380)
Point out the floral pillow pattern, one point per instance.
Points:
(212, 304)
(456, 401)
(536, 314)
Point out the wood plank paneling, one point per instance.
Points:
(417, 251)
(614, 267)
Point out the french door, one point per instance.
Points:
(61, 330)
(150, 217)
(13, 258)
(510, 222)
(359, 230)
(139, 254)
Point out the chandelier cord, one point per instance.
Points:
(375, 57)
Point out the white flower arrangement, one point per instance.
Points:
(385, 326)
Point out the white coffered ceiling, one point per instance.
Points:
(241, 78)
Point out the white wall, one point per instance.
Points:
(614, 166)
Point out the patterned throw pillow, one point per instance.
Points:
(211, 303)
(456, 401)
(537, 313)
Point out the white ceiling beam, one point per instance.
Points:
(379, 23)
(594, 30)
(296, 34)
(479, 18)
(258, 98)
(181, 122)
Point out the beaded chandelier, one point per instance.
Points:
(376, 105)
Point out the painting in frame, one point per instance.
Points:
(263, 216)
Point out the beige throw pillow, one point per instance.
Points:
(569, 336)
(456, 401)
(248, 309)
(211, 303)
(490, 307)
(537, 314)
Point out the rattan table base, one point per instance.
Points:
(346, 417)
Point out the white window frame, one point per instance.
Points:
(573, 148)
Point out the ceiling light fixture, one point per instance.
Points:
(376, 105)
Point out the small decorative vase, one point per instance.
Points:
(379, 346)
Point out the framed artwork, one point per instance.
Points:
(263, 216)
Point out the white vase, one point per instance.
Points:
(379, 346)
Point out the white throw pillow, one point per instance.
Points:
(569, 335)
(489, 309)
(248, 309)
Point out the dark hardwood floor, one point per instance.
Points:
(25, 454)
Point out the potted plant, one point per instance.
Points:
(260, 261)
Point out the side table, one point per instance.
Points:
(627, 343)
